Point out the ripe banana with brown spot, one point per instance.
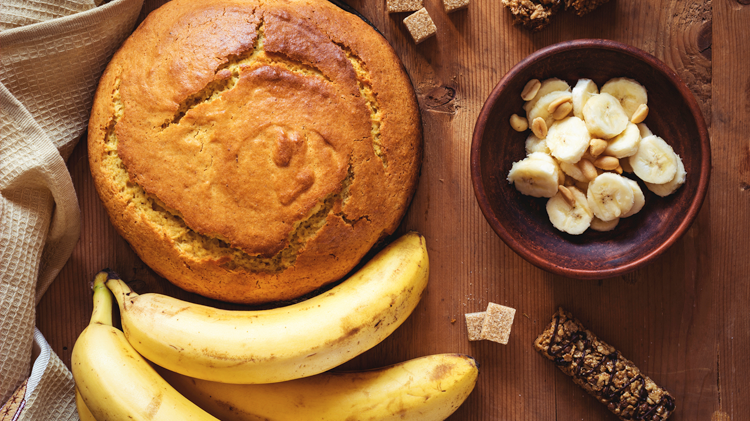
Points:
(285, 343)
(425, 389)
(114, 382)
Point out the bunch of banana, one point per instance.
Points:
(114, 381)
(280, 344)
(83, 411)
(425, 389)
(577, 160)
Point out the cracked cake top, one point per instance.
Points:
(253, 151)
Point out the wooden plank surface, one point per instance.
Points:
(683, 319)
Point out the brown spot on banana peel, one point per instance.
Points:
(154, 405)
(441, 371)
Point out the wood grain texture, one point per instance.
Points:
(682, 319)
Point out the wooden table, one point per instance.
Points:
(682, 319)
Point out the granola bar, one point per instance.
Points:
(602, 371)
(532, 14)
(582, 7)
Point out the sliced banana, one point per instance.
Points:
(604, 226)
(671, 186)
(568, 139)
(537, 175)
(574, 171)
(639, 199)
(604, 116)
(630, 93)
(549, 85)
(534, 144)
(609, 196)
(624, 144)
(573, 219)
(655, 162)
(541, 109)
(645, 131)
(581, 93)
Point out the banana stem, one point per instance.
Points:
(102, 313)
(120, 289)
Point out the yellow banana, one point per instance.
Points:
(83, 411)
(115, 382)
(425, 389)
(269, 346)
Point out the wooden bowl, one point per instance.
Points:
(522, 221)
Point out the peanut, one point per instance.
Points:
(567, 195)
(531, 89)
(558, 102)
(562, 111)
(640, 114)
(518, 123)
(597, 147)
(607, 163)
(539, 127)
(588, 169)
(618, 170)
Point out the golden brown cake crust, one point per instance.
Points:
(253, 151)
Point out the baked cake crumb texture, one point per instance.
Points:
(396, 6)
(474, 325)
(497, 323)
(420, 25)
(453, 5)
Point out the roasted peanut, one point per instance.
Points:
(567, 195)
(588, 169)
(518, 123)
(640, 114)
(607, 163)
(558, 102)
(531, 89)
(597, 146)
(539, 127)
(562, 111)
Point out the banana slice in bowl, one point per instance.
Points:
(609, 196)
(604, 116)
(568, 139)
(630, 93)
(581, 93)
(537, 175)
(573, 218)
(655, 162)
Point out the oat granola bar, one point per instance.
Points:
(532, 14)
(582, 7)
(602, 371)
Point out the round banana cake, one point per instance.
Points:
(253, 151)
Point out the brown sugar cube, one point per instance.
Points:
(420, 25)
(453, 5)
(395, 6)
(497, 323)
(474, 324)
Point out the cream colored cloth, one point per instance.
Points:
(52, 53)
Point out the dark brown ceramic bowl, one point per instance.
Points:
(522, 221)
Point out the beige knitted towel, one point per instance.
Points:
(52, 53)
